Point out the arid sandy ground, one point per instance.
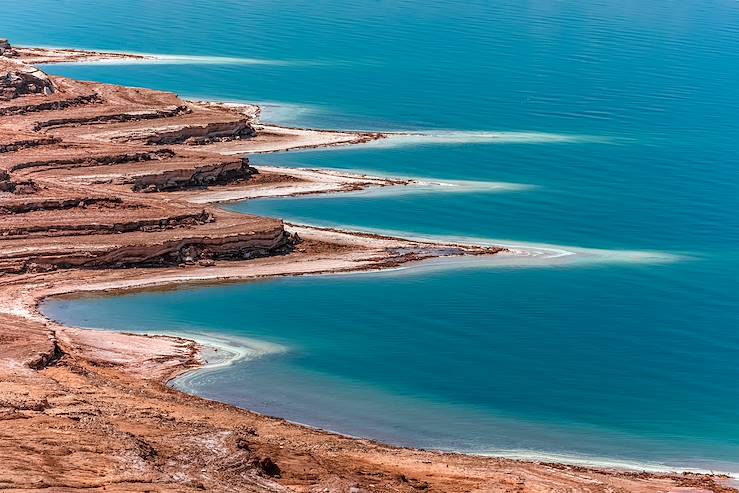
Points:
(106, 188)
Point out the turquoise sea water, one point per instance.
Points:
(622, 119)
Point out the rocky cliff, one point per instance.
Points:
(76, 157)
(18, 79)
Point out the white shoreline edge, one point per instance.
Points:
(236, 349)
(208, 342)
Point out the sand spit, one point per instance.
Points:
(45, 56)
(94, 181)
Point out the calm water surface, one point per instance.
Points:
(621, 117)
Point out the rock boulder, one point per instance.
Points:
(18, 79)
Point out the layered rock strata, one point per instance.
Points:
(76, 157)
(18, 79)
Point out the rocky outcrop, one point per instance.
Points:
(22, 142)
(18, 79)
(49, 104)
(6, 50)
(150, 114)
(95, 160)
(191, 249)
(54, 203)
(221, 173)
(23, 187)
(161, 249)
(197, 134)
(112, 226)
(5, 184)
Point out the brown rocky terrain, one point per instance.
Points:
(98, 191)
(77, 157)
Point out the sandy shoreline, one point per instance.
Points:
(213, 352)
(72, 397)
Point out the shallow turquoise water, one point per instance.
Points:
(634, 361)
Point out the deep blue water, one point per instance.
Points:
(627, 360)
